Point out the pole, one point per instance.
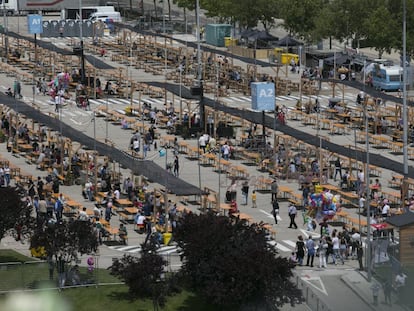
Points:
(199, 74)
(34, 70)
(405, 112)
(359, 206)
(180, 90)
(94, 132)
(81, 43)
(106, 118)
(199, 171)
(300, 76)
(6, 43)
(367, 201)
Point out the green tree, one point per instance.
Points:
(299, 16)
(66, 238)
(381, 28)
(230, 263)
(16, 213)
(144, 275)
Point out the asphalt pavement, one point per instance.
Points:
(336, 288)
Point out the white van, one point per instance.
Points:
(105, 16)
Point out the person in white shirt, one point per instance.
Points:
(226, 151)
(117, 194)
(83, 216)
(335, 247)
(400, 280)
(202, 143)
(385, 210)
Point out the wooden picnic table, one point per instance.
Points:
(208, 159)
(123, 203)
(222, 165)
(25, 147)
(243, 216)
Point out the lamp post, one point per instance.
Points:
(81, 43)
(405, 112)
(367, 201)
(6, 43)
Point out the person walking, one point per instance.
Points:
(274, 189)
(245, 192)
(310, 246)
(275, 210)
(292, 214)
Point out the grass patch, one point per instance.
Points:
(8, 255)
(117, 298)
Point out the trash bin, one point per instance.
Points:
(167, 237)
(228, 41)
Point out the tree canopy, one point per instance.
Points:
(144, 275)
(15, 211)
(377, 23)
(231, 264)
(66, 238)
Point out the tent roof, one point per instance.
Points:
(255, 34)
(402, 220)
(338, 58)
(289, 41)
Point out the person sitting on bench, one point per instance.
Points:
(123, 234)
(345, 181)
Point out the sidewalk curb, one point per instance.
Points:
(350, 284)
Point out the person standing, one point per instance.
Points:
(60, 266)
(275, 210)
(300, 250)
(254, 198)
(202, 143)
(176, 166)
(322, 247)
(360, 254)
(336, 248)
(292, 214)
(51, 265)
(310, 246)
(338, 169)
(274, 189)
(375, 292)
(245, 192)
(387, 288)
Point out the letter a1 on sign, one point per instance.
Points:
(263, 96)
(34, 23)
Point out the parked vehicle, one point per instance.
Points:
(10, 7)
(387, 77)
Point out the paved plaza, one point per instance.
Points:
(338, 287)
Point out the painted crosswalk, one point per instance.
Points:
(287, 99)
(282, 246)
(135, 249)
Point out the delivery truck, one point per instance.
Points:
(10, 7)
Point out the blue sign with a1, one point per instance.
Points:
(34, 23)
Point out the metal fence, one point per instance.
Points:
(87, 271)
(71, 28)
(312, 300)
